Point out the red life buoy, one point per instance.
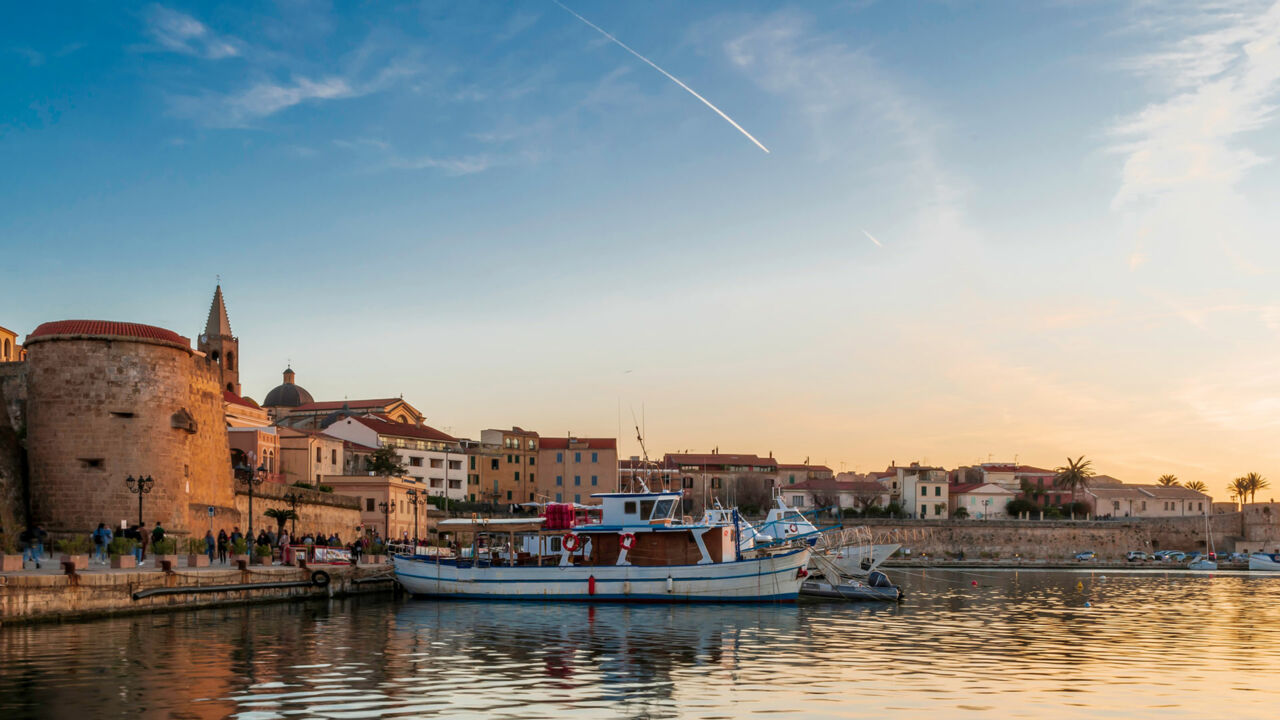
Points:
(793, 528)
(570, 542)
(626, 541)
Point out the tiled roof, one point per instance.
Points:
(1172, 492)
(406, 430)
(559, 443)
(106, 328)
(802, 466)
(231, 397)
(353, 404)
(720, 459)
(970, 487)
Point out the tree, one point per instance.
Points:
(1168, 480)
(1074, 476)
(1239, 488)
(281, 517)
(1197, 486)
(384, 461)
(1255, 482)
(961, 513)
(1031, 491)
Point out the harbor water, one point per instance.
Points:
(1025, 644)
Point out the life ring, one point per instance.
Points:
(626, 541)
(792, 528)
(320, 578)
(570, 542)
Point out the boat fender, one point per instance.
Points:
(792, 528)
(974, 582)
(570, 542)
(626, 541)
(320, 578)
(802, 573)
(591, 585)
(1088, 604)
(670, 584)
(1080, 585)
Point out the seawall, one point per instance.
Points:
(27, 597)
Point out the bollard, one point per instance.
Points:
(243, 565)
(167, 567)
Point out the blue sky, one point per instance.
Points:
(499, 213)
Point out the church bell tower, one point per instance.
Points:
(220, 345)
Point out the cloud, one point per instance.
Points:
(465, 165)
(180, 33)
(260, 100)
(34, 58)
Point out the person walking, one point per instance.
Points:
(102, 537)
(157, 533)
(223, 543)
(144, 539)
(210, 544)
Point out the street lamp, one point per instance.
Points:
(986, 509)
(139, 486)
(251, 478)
(385, 507)
(413, 500)
(294, 500)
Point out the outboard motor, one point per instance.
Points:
(878, 579)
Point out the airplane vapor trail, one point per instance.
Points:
(673, 78)
(872, 238)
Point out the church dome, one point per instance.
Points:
(287, 394)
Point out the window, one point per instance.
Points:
(559, 498)
(577, 498)
(530, 477)
(559, 457)
(687, 482)
(577, 457)
(577, 479)
(318, 451)
(798, 501)
(924, 510)
(473, 462)
(593, 479)
(508, 495)
(629, 507)
(517, 476)
(664, 509)
(532, 460)
(792, 479)
(715, 482)
(368, 504)
(937, 491)
(559, 480)
(317, 478)
(533, 444)
(415, 462)
(1144, 505)
(1115, 505)
(333, 457)
(595, 457)
(646, 508)
(493, 464)
(924, 492)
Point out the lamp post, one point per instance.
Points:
(986, 509)
(385, 507)
(413, 500)
(251, 478)
(294, 500)
(140, 486)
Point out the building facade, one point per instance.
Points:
(572, 468)
(220, 346)
(307, 456)
(10, 350)
(431, 458)
(735, 479)
(502, 468)
(981, 501)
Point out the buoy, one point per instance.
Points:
(975, 583)
(1088, 604)
(1080, 585)
(591, 585)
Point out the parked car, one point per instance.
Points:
(1086, 555)
(1160, 554)
(1136, 556)
(1173, 556)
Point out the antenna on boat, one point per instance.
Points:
(644, 453)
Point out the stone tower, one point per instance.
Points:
(220, 345)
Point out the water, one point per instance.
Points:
(1021, 644)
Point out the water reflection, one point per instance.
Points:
(1021, 644)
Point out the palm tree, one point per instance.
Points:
(281, 517)
(1197, 486)
(1168, 480)
(1239, 488)
(1255, 482)
(1074, 475)
(1030, 490)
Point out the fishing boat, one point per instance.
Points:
(637, 550)
(851, 549)
(1265, 561)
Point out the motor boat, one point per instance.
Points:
(1265, 561)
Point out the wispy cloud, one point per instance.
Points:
(263, 98)
(34, 57)
(387, 157)
(180, 33)
(872, 238)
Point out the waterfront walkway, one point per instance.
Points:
(53, 566)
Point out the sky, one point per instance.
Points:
(853, 232)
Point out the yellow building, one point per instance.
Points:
(10, 350)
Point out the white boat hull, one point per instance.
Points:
(774, 578)
(1262, 561)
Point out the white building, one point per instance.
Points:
(982, 501)
(430, 457)
(925, 493)
(842, 494)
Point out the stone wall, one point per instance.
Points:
(319, 513)
(99, 410)
(13, 387)
(1049, 539)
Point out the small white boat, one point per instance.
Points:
(1205, 562)
(829, 581)
(1265, 561)
(850, 549)
(635, 552)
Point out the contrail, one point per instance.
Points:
(673, 78)
(872, 238)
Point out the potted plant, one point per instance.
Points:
(261, 554)
(121, 551)
(10, 558)
(195, 553)
(377, 554)
(75, 550)
(239, 550)
(165, 549)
